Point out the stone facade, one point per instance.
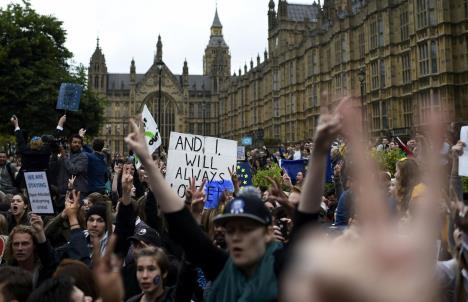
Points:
(408, 57)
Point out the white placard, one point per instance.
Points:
(38, 192)
(240, 152)
(152, 134)
(463, 160)
(199, 157)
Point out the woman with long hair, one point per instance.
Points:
(408, 183)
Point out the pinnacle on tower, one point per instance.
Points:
(158, 57)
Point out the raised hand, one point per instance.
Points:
(62, 120)
(38, 226)
(286, 179)
(14, 121)
(136, 141)
(234, 178)
(71, 182)
(381, 255)
(106, 270)
(127, 179)
(457, 149)
(82, 132)
(127, 184)
(196, 196)
(277, 194)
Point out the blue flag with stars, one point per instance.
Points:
(244, 173)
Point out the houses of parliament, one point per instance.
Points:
(402, 59)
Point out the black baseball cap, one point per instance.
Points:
(250, 206)
(148, 235)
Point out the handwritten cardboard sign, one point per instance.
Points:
(38, 192)
(200, 157)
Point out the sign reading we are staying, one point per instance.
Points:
(38, 192)
(200, 157)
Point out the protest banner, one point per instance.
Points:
(240, 152)
(293, 167)
(69, 97)
(214, 190)
(244, 172)
(38, 192)
(200, 157)
(463, 160)
(152, 135)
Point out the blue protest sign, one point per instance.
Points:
(214, 190)
(69, 97)
(293, 167)
(246, 141)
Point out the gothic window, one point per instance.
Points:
(423, 59)
(384, 108)
(362, 44)
(96, 82)
(316, 100)
(466, 9)
(191, 110)
(337, 51)
(425, 13)
(404, 27)
(375, 75)
(293, 103)
(310, 63)
(374, 31)
(375, 116)
(381, 31)
(427, 58)
(338, 84)
(382, 73)
(208, 110)
(406, 68)
(434, 56)
(425, 105)
(275, 80)
(276, 107)
(407, 113)
(200, 111)
(277, 132)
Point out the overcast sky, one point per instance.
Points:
(130, 29)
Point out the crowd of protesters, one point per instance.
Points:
(122, 234)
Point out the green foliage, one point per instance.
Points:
(465, 183)
(260, 178)
(387, 159)
(33, 63)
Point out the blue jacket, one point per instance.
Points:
(97, 170)
(344, 208)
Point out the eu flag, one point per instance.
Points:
(293, 167)
(244, 173)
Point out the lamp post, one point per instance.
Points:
(362, 78)
(159, 65)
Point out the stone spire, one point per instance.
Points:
(159, 45)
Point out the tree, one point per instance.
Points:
(33, 64)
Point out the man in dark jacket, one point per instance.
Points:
(35, 156)
(73, 165)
